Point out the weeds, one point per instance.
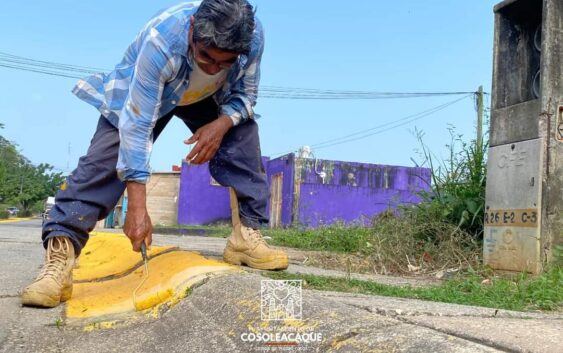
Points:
(458, 184)
(59, 323)
(337, 237)
(524, 293)
(415, 244)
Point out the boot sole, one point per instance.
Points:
(42, 300)
(237, 258)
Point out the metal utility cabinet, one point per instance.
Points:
(524, 197)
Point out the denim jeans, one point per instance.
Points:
(93, 189)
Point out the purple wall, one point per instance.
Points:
(365, 175)
(354, 191)
(200, 202)
(325, 204)
(349, 191)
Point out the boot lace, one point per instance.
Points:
(56, 258)
(255, 236)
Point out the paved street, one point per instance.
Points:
(219, 315)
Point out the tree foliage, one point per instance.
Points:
(22, 183)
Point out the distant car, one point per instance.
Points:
(12, 211)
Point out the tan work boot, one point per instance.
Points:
(246, 246)
(54, 283)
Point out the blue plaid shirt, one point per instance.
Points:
(151, 79)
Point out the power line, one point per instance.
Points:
(271, 92)
(87, 69)
(293, 96)
(380, 128)
(316, 90)
(21, 63)
(444, 106)
(407, 119)
(39, 71)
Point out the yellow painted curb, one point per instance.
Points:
(109, 254)
(15, 220)
(171, 273)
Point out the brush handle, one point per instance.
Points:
(144, 251)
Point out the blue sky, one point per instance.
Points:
(398, 46)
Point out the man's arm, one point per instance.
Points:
(138, 224)
(136, 122)
(141, 110)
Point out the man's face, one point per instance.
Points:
(210, 59)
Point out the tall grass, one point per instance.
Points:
(458, 184)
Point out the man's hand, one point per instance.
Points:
(208, 139)
(138, 225)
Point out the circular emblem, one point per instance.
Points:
(507, 236)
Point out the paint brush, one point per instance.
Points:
(145, 276)
(145, 257)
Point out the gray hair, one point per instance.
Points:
(225, 24)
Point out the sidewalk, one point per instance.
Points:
(213, 247)
(221, 311)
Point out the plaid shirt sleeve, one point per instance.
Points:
(239, 103)
(154, 66)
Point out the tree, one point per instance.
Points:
(21, 182)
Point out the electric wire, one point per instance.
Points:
(378, 129)
(407, 118)
(444, 106)
(89, 69)
(22, 63)
(52, 73)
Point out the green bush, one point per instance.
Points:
(4, 214)
(38, 207)
(458, 185)
(25, 213)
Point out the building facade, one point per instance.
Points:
(306, 191)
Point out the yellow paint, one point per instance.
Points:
(302, 325)
(109, 254)
(153, 299)
(15, 220)
(100, 325)
(251, 304)
(170, 274)
(251, 328)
